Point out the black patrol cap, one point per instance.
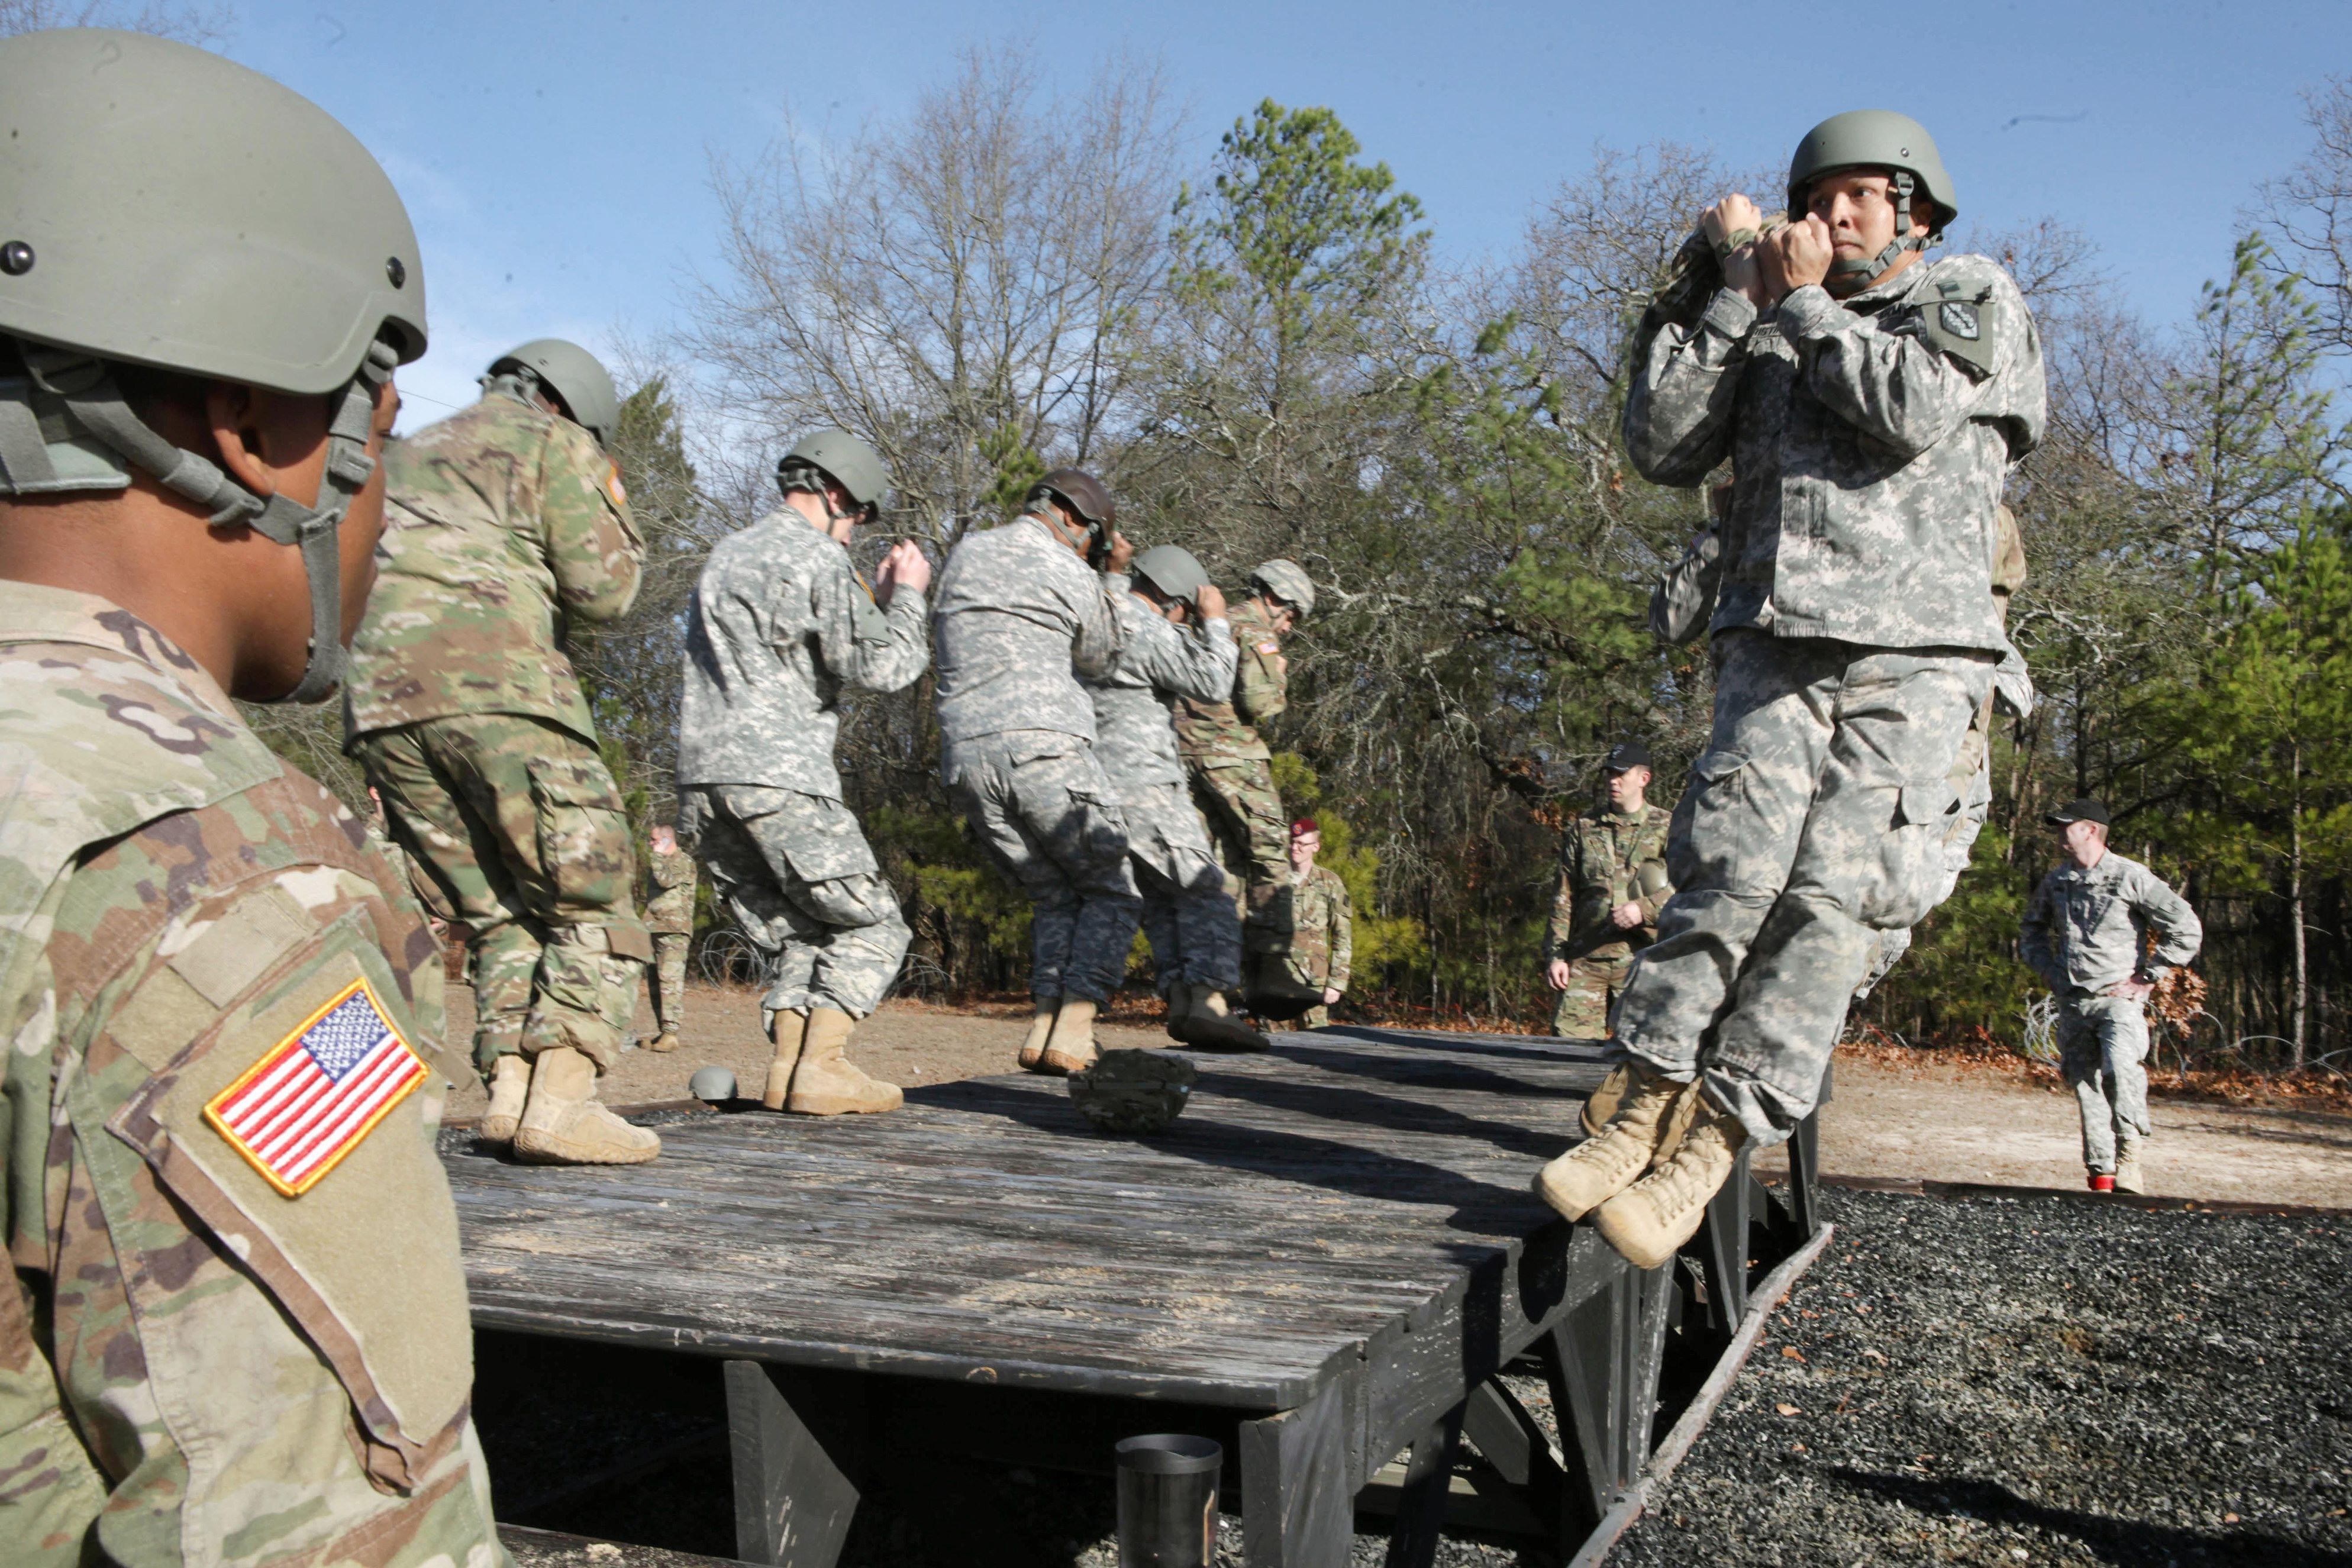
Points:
(1626, 755)
(2085, 809)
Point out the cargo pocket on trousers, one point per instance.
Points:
(293, 1129)
(823, 845)
(1911, 856)
(584, 837)
(1704, 847)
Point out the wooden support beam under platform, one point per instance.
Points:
(1328, 1263)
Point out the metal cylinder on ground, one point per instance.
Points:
(1168, 1500)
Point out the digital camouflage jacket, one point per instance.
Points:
(501, 524)
(1020, 620)
(1135, 737)
(2085, 930)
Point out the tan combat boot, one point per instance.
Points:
(1070, 1048)
(509, 1085)
(827, 1083)
(1649, 1222)
(786, 1029)
(563, 1125)
(665, 1042)
(1211, 1024)
(1605, 1165)
(1179, 1007)
(1033, 1049)
(1605, 1100)
(2128, 1176)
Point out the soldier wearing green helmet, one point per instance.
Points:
(782, 625)
(225, 1011)
(1869, 403)
(507, 521)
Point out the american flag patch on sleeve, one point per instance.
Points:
(315, 1094)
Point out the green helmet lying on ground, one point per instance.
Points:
(169, 210)
(838, 456)
(576, 377)
(1133, 1091)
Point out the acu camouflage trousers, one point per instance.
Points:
(798, 875)
(2102, 1051)
(1195, 934)
(1042, 809)
(1816, 817)
(520, 834)
(669, 979)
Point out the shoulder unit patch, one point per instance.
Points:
(314, 1095)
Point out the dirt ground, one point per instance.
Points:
(1934, 1121)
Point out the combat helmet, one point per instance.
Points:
(1174, 571)
(1877, 139)
(1088, 498)
(838, 456)
(166, 208)
(1287, 580)
(1133, 1091)
(572, 375)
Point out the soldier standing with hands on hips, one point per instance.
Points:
(779, 627)
(228, 1334)
(2086, 934)
(1870, 404)
(1613, 882)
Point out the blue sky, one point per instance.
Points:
(556, 156)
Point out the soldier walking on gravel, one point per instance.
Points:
(779, 627)
(1613, 882)
(1870, 403)
(670, 875)
(236, 1330)
(1178, 645)
(2101, 932)
(507, 521)
(1315, 926)
(1224, 748)
(1023, 617)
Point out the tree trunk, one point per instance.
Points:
(2295, 905)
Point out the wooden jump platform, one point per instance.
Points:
(1324, 1264)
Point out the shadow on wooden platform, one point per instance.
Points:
(1324, 1265)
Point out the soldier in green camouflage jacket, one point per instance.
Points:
(234, 1332)
(1306, 964)
(669, 916)
(1613, 882)
(508, 520)
(1225, 754)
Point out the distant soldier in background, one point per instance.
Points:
(669, 916)
(1178, 645)
(781, 626)
(506, 522)
(1311, 931)
(1224, 748)
(1023, 615)
(1613, 882)
(2101, 932)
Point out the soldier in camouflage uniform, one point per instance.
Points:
(226, 1338)
(1020, 620)
(1225, 753)
(2101, 932)
(669, 916)
(1613, 882)
(781, 626)
(1172, 621)
(1870, 404)
(1316, 927)
(507, 521)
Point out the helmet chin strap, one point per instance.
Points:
(86, 388)
(1904, 242)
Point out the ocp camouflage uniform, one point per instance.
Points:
(781, 626)
(2085, 931)
(669, 916)
(502, 523)
(1312, 927)
(1231, 769)
(1019, 621)
(1855, 631)
(1196, 934)
(1605, 860)
(195, 1368)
